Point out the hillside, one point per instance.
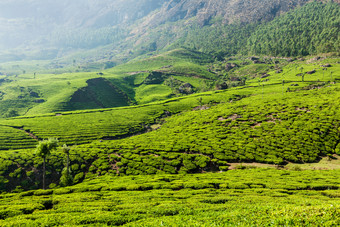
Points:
(42, 29)
(230, 11)
(254, 35)
(138, 82)
(278, 117)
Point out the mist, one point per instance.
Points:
(48, 25)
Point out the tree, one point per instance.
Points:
(44, 149)
(66, 178)
(12, 113)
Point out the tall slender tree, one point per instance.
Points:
(44, 148)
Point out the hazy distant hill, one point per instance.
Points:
(45, 29)
(27, 21)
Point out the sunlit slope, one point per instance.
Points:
(15, 138)
(31, 94)
(86, 126)
(298, 127)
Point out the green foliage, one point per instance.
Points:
(15, 138)
(312, 28)
(124, 85)
(43, 150)
(66, 178)
(45, 147)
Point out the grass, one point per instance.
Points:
(330, 162)
(11, 138)
(296, 127)
(152, 93)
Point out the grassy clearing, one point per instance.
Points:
(326, 163)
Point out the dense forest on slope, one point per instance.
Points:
(309, 29)
(312, 29)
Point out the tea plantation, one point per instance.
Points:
(120, 158)
(192, 115)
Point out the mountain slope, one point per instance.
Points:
(230, 10)
(226, 31)
(313, 27)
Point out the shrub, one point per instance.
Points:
(43, 192)
(78, 178)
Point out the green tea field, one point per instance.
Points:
(249, 197)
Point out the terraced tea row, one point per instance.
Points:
(87, 126)
(15, 138)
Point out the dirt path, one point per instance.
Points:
(30, 134)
